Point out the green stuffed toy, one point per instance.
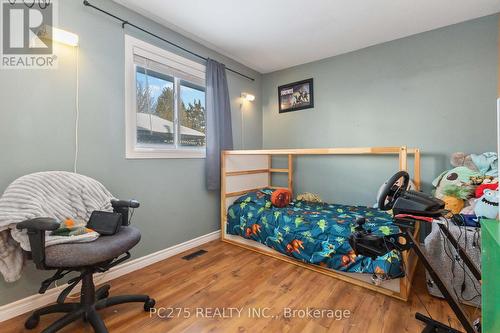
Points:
(71, 227)
(455, 196)
(459, 176)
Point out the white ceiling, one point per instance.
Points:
(268, 35)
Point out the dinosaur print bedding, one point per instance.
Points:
(315, 233)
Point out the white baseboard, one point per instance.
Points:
(36, 301)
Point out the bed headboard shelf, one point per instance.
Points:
(244, 171)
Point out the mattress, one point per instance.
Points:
(315, 233)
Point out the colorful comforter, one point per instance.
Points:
(316, 233)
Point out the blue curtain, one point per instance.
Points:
(219, 135)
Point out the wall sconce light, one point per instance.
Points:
(71, 39)
(59, 35)
(248, 97)
(65, 37)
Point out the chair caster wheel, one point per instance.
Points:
(105, 295)
(32, 322)
(149, 304)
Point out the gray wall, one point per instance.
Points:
(37, 132)
(435, 91)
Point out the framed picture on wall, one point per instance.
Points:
(296, 96)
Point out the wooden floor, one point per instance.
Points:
(231, 277)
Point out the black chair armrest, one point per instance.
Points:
(122, 206)
(125, 203)
(39, 224)
(36, 233)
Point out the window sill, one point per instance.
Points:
(165, 154)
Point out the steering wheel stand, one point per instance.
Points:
(363, 242)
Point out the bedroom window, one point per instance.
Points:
(164, 102)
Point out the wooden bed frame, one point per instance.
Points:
(243, 171)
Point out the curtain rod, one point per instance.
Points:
(125, 22)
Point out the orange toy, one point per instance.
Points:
(295, 246)
(255, 229)
(69, 222)
(281, 198)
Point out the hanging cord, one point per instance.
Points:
(242, 126)
(453, 262)
(449, 247)
(463, 232)
(446, 248)
(449, 254)
(77, 106)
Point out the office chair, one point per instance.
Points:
(86, 258)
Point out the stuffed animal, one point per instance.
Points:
(71, 227)
(462, 159)
(478, 180)
(490, 180)
(310, 197)
(481, 188)
(281, 197)
(452, 204)
(470, 204)
(455, 196)
(463, 192)
(486, 163)
(458, 176)
(487, 205)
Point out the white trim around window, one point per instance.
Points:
(179, 67)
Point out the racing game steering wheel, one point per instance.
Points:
(392, 189)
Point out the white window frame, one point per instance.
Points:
(134, 46)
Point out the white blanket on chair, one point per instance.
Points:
(55, 194)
